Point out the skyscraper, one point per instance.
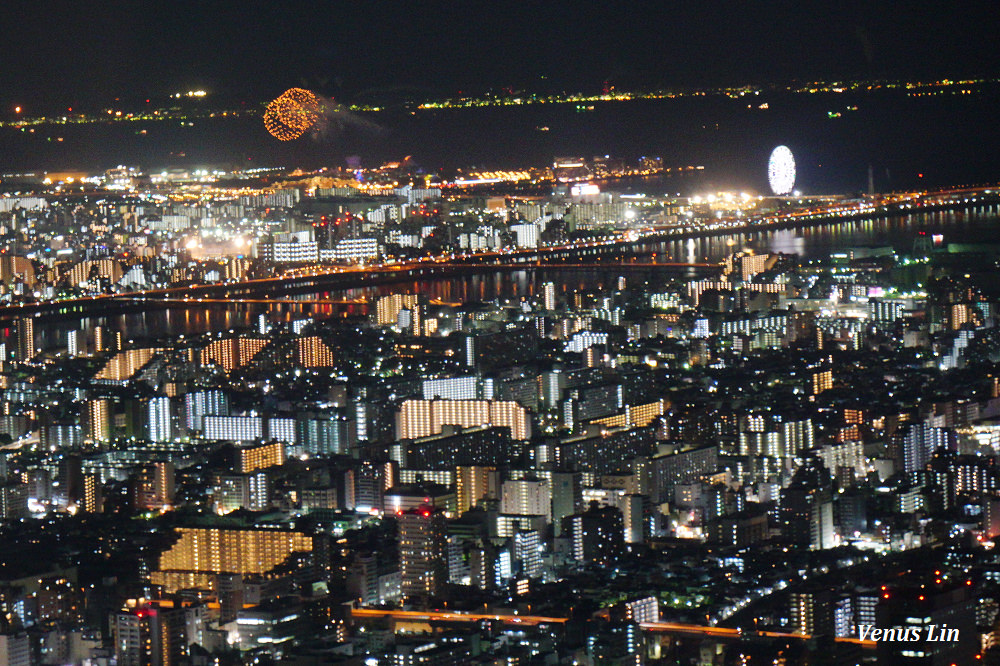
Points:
(423, 551)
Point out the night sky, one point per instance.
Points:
(64, 53)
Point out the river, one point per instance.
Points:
(817, 242)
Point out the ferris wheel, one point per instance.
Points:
(781, 170)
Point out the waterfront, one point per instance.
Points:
(973, 224)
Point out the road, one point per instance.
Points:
(451, 616)
(534, 620)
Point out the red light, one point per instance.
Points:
(920, 175)
(968, 582)
(885, 596)
(921, 597)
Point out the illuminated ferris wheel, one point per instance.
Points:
(781, 170)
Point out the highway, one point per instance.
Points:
(674, 628)
(727, 632)
(451, 616)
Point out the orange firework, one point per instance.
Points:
(291, 114)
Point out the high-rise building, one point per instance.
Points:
(807, 507)
(242, 491)
(312, 352)
(160, 420)
(527, 497)
(822, 381)
(123, 365)
(423, 551)
(98, 420)
(420, 418)
(154, 486)
(326, 435)
(549, 296)
(232, 353)
(15, 649)
(366, 482)
(474, 483)
(488, 446)
(597, 535)
(567, 496)
(811, 612)
(93, 494)
(106, 340)
(150, 636)
(75, 343)
(200, 553)
(458, 388)
(607, 450)
(100, 339)
(233, 428)
(527, 546)
(259, 456)
(13, 500)
(633, 508)
(919, 444)
(667, 470)
(387, 307)
(199, 404)
(25, 339)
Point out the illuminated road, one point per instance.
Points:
(533, 620)
(727, 632)
(448, 616)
